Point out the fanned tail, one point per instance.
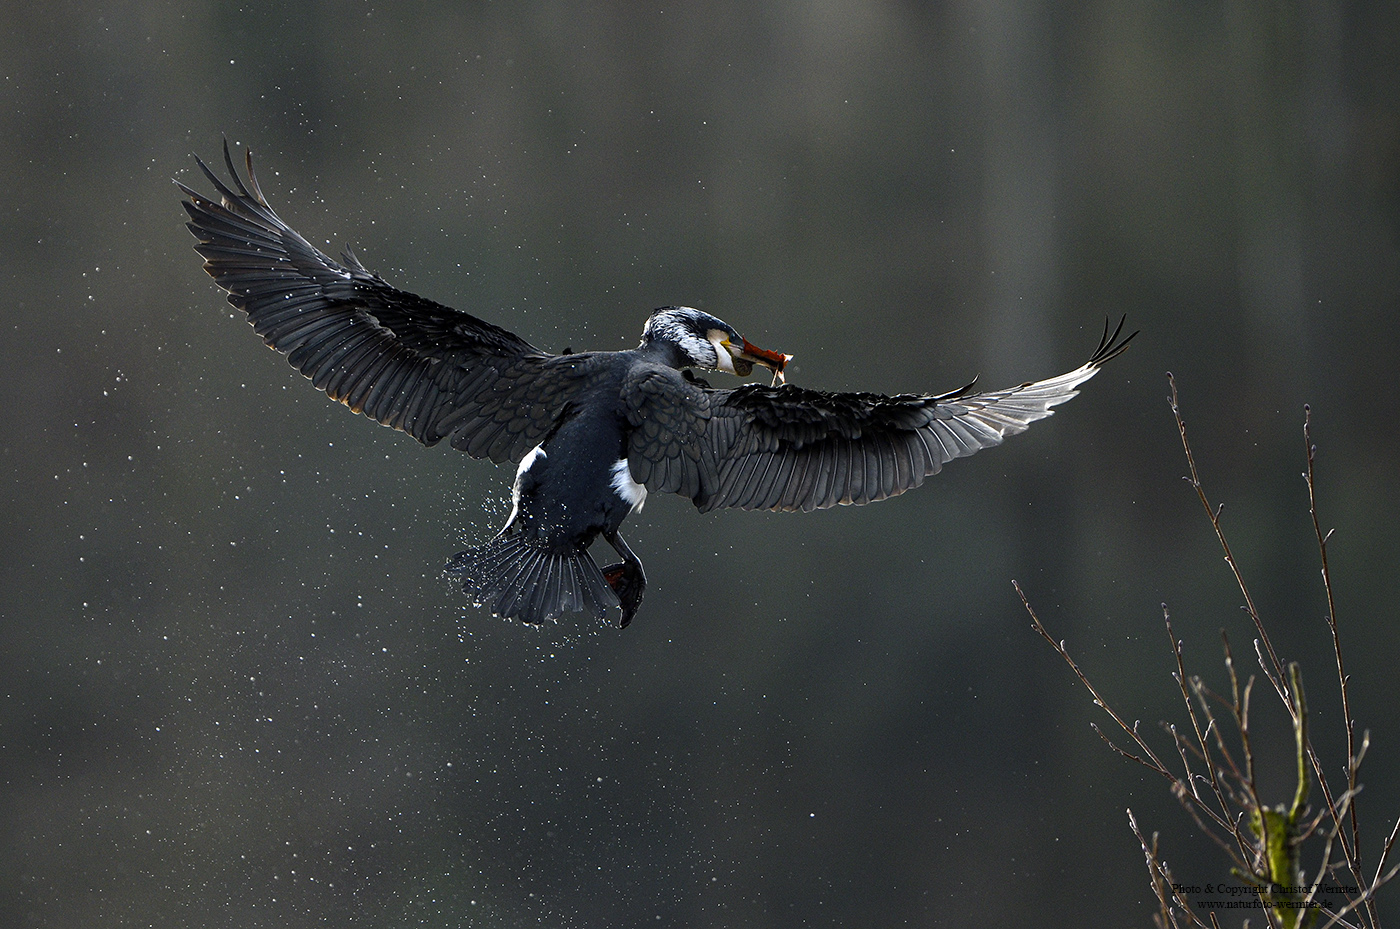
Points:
(517, 580)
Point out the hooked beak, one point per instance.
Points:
(746, 355)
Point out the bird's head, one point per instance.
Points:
(710, 343)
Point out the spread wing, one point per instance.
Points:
(788, 448)
(427, 369)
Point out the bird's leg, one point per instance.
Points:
(626, 578)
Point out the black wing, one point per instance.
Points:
(427, 369)
(788, 448)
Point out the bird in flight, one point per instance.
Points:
(592, 433)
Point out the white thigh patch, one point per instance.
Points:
(632, 493)
(528, 461)
(526, 464)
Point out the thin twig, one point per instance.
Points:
(1325, 865)
(1353, 762)
(1162, 884)
(1202, 740)
(1159, 883)
(1276, 666)
(1099, 701)
(1199, 688)
(1180, 677)
(1385, 853)
(1149, 765)
(1365, 898)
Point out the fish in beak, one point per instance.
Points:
(745, 355)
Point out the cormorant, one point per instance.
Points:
(593, 432)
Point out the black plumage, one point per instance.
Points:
(593, 431)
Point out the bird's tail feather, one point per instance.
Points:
(518, 580)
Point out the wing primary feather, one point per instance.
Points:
(753, 488)
(797, 478)
(738, 478)
(324, 359)
(357, 394)
(771, 487)
(228, 162)
(806, 488)
(889, 470)
(353, 366)
(857, 478)
(872, 470)
(788, 472)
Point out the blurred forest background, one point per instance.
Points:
(236, 691)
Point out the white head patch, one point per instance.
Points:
(689, 328)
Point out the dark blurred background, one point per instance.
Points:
(236, 691)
